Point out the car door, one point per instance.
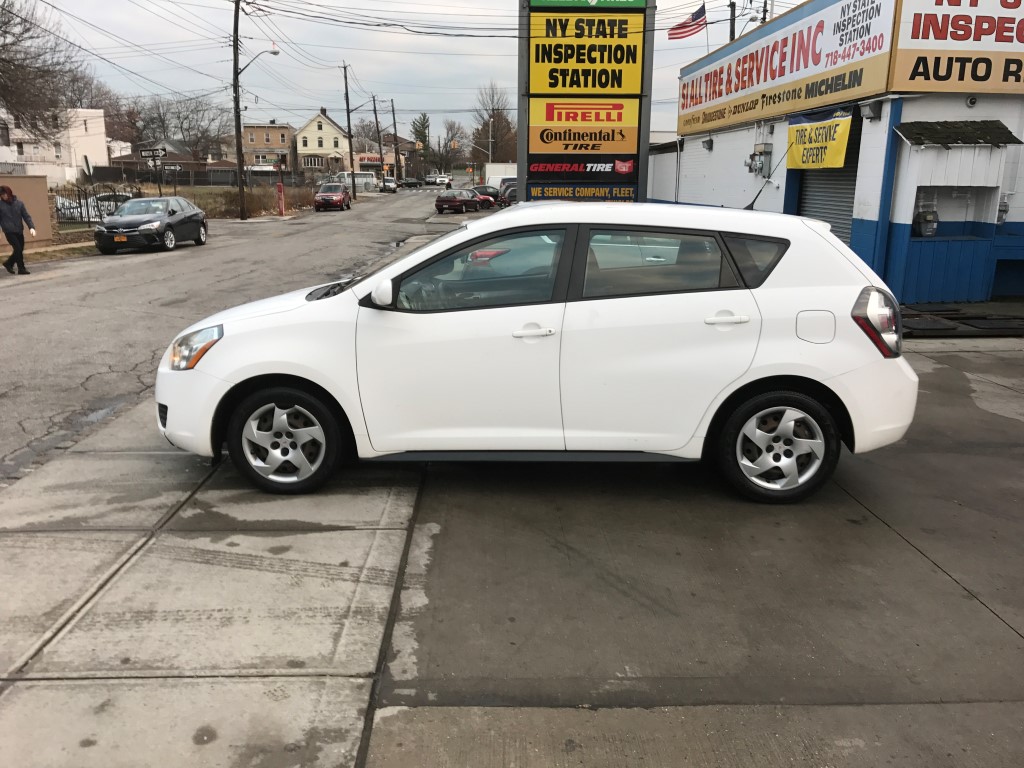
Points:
(655, 327)
(187, 224)
(466, 358)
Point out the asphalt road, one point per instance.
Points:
(156, 611)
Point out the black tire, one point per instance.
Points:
(462, 208)
(316, 208)
(252, 440)
(105, 250)
(201, 240)
(168, 240)
(802, 443)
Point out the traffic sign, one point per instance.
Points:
(172, 167)
(158, 152)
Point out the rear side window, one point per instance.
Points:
(635, 263)
(755, 258)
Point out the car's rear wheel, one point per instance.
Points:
(201, 240)
(778, 447)
(284, 440)
(168, 242)
(462, 209)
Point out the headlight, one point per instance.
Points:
(153, 225)
(100, 228)
(189, 349)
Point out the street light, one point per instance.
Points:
(243, 214)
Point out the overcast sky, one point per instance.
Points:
(429, 57)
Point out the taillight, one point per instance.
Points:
(878, 315)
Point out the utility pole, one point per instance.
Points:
(732, 20)
(394, 135)
(243, 214)
(380, 148)
(351, 153)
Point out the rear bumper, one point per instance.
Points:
(881, 399)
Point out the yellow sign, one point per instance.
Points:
(957, 48)
(594, 52)
(584, 126)
(818, 143)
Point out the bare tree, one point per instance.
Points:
(122, 115)
(199, 124)
(156, 119)
(38, 69)
(450, 148)
(364, 136)
(494, 125)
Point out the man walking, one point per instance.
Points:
(12, 214)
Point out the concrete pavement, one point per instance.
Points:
(158, 612)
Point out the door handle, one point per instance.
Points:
(727, 320)
(533, 332)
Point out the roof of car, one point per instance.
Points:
(642, 214)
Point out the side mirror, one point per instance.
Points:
(383, 294)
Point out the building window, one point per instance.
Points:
(320, 141)
(266, 137)
(252, 137)
(260, 159)
(312, 162)
(17, 123)
(305, 141)
(5, 134)
(335, 142)
(20, 146)
(283, 141)
(56, 150)
(319, 126)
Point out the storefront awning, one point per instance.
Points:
(958, 133)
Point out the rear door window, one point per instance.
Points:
(637, 263)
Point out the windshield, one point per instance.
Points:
(336, 188)
(142, 207)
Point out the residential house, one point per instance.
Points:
(264, 144)
(322, 145)
(80, 146)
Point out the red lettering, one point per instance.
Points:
(772, 66)
(819, 30)
(783, 45)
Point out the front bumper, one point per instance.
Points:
(133, 239)
(186, 404)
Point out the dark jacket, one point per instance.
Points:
(12, 214)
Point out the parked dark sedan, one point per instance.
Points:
(411, 181)
(457, 200)
(146, 222)
(332, 196)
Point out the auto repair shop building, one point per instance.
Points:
(900, 124)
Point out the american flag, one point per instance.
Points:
(697, 21)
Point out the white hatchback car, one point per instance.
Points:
(561, 330)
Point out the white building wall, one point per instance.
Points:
(718, 177)
(871, 164)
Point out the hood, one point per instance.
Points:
(131, 222)
(286, 302)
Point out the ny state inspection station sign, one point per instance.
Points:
(586, 64)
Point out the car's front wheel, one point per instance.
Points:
(201, 240)
(169, 240)
(284, 440)
(778, 447)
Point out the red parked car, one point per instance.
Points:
(457, 201)
(332, 196)
(488, 195)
